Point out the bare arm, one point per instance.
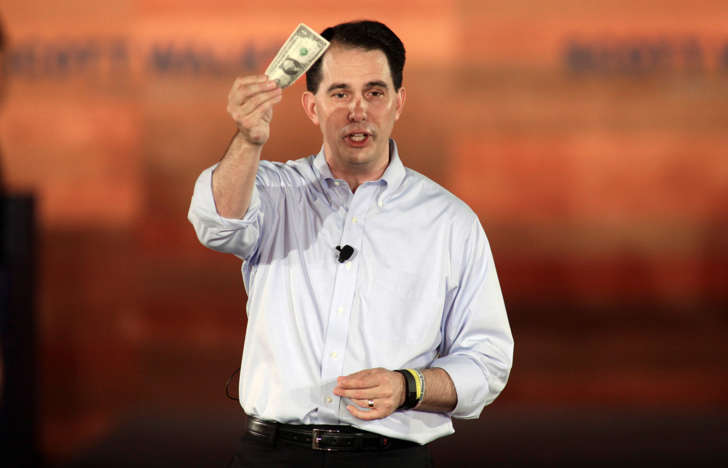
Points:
(387, 390)
(440, 395)
(250, 104)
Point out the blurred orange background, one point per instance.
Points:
(589, 136)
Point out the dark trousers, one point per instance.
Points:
(254, 452)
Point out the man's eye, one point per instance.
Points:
(339, 95)
(376, 93)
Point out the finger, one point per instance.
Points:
(251, 79)
(253, 103)
(241, 81)
(258, 121)
(240, 93)
(366, 414)
(264, 111)
(364, 403)
(351, 384)
(362, 379)
(251, 111)
(251, 96)
(362, 394)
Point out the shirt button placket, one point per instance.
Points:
(334, 355)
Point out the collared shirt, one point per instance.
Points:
(419, 291)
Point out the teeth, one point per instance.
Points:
(358, 136)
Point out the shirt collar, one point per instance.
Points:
(393, 174)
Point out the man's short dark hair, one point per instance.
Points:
(367, 35)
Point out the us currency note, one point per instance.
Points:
(303, 47)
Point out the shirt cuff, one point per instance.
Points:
(204, 209)
(471, 385)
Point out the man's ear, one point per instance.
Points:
(308, 101)
(401, 97)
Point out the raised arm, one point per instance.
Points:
(250, 104)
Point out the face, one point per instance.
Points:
(355, 107)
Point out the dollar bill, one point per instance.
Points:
(303, 47)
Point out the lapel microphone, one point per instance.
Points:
(345, 252)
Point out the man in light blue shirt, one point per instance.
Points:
(374, 309)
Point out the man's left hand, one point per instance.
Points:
(385, 388)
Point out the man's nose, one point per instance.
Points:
(357, 110)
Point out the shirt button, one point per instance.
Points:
(348, 265)
(336, 182)
(354, 220)
(329, 399)
(340, 310)
(380, 203)
(333, 355)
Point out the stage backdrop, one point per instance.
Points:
(590, 138)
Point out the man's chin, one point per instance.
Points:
(359, 156)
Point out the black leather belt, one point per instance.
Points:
(325, 437)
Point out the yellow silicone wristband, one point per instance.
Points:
(418, 383)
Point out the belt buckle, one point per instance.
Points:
(317, 437)
(316, 440)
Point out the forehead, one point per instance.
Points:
(354, 67)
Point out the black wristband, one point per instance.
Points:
(410, 390)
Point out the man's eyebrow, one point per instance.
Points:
(376, 83)
(337, 86)
(370, 84)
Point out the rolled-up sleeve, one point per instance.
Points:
(229, 235)
(477, 349)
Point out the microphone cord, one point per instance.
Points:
(227, 386)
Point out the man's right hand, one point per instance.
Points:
(250, 104)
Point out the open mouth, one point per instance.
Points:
(357, 138)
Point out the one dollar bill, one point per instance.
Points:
(303, 47)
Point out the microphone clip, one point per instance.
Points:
(345, 252)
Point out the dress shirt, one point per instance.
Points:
(419, 291)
